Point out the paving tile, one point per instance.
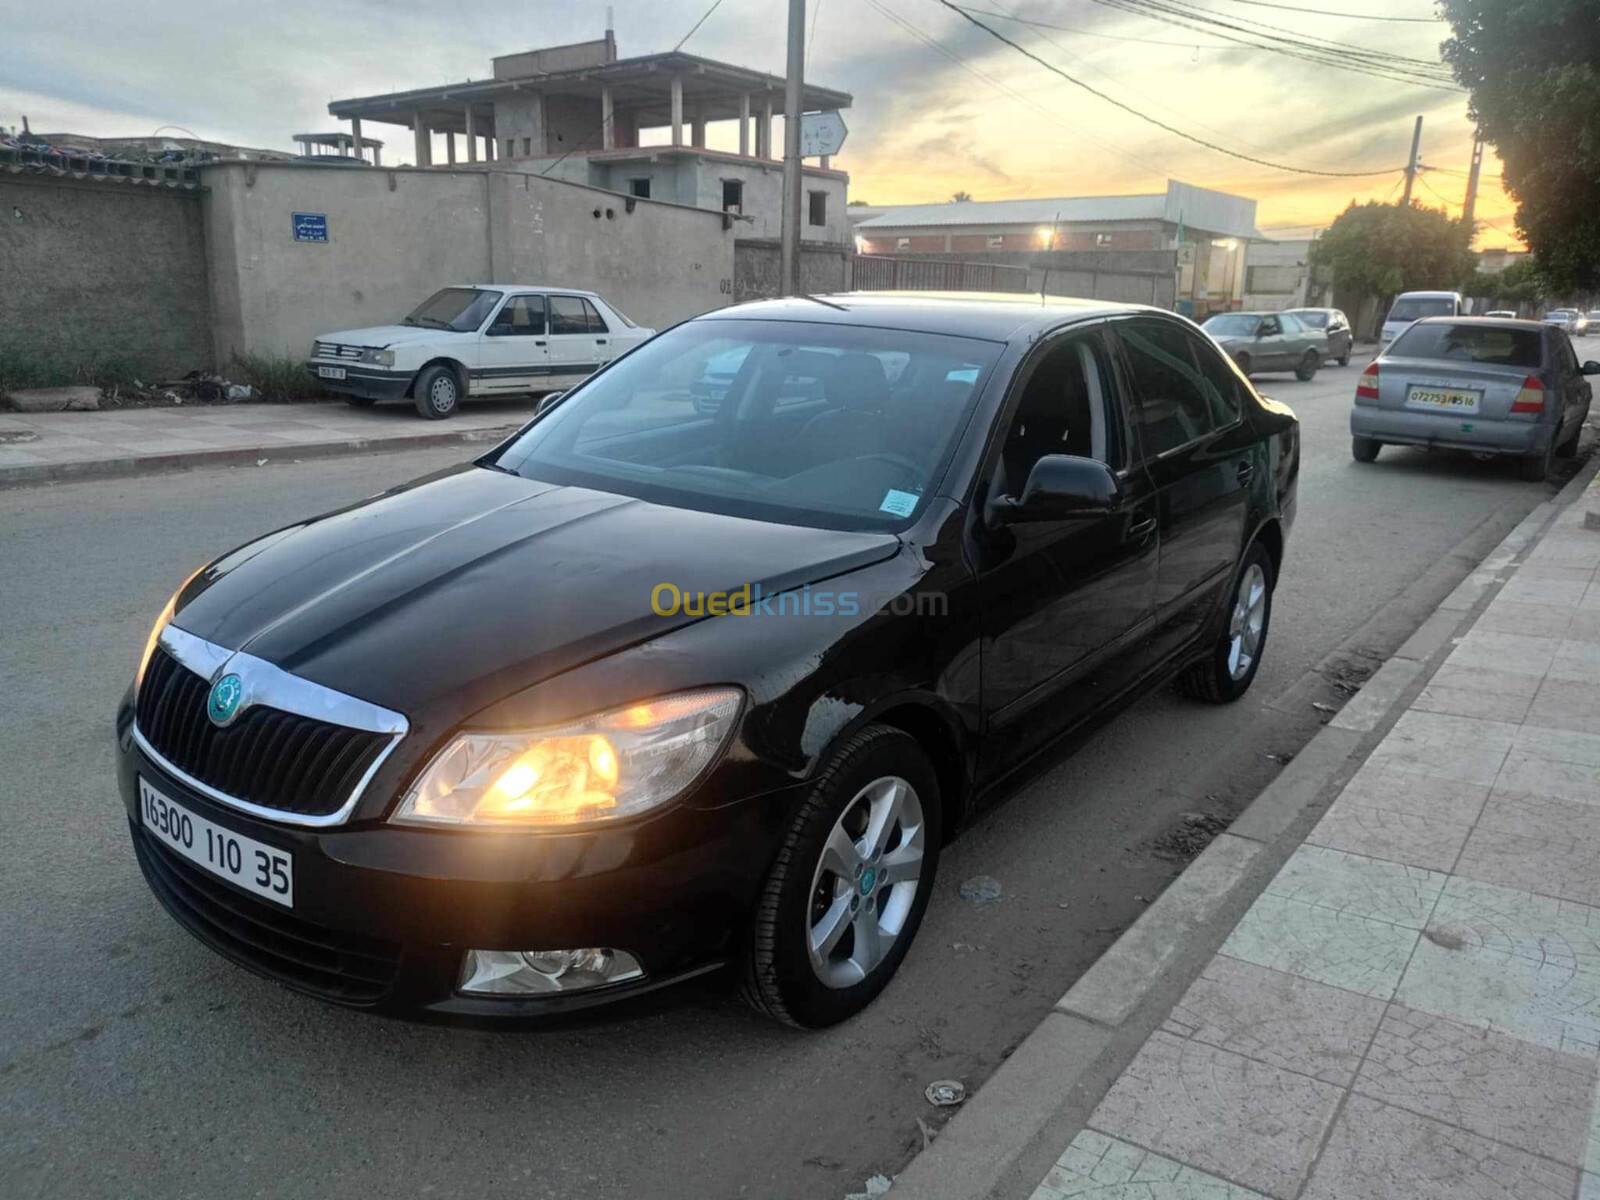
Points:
(1540, 844)
(1531, 772)
(1386, 833)
(1589, 1189)
(1519, 654)
(1220, 1112)
(1365, 887)
(1561, 745)
(1098, 1167)
(1545, 587)
(1505, 959)
(1576, 659)
(1488, 1083)
(1446, 746)
(1327, 945)
(1561, 549)
(1486, 679)
(1389, 786)
(1379, 1152)
(1472, 702)
(1277, 1019)
(1585, 624)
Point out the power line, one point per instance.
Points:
(1322, 12)
(715, 4)
(1005, 89)
(1430, 189)
(1093, 91)
(1115, 37)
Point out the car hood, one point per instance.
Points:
(452, 593)
(383, 335)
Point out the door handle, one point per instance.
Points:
(1142, 530)
(599, 341)
(1247, 472)
(538, 343)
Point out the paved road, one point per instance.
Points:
(133, 1062)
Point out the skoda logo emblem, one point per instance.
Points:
(222, 705)
(868, 878)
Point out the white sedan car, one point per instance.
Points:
(476, 341)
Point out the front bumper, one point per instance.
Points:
(374, 383)
(383, 915)
(1402, 427)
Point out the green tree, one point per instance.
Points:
(1533, 70)
(1521, 283)
(1380, 249)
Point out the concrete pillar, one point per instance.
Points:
(492, 150)
(608, 133)
(419, 128)
(377, 156)
(824, 163)
(744, 122)
(450, 147)
(697, 129)
(764, 130)
(472, 135)
(677, 110)
(355, 132)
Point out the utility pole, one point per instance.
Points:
(793, 93)
(1411, 167)
(1469, 208)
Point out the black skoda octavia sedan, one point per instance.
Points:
(703, 666)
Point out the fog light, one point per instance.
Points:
(542, 972)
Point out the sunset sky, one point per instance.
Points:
(940, 105)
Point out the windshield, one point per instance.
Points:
(1232, 325)
(1317, 320)
(806, 424)
(1414, 308)
(460, 309)
(1497, 345)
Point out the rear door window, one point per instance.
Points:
(1493, 345)
(1174, 401)
(568, 315)
(595, 321)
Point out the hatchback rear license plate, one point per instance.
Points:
(244, 862)
(331, 372)
(1453, 400)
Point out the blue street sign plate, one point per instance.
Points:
(310, 227)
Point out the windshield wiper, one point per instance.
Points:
(824, 303)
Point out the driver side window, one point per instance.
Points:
(1269, 327)
(1063, 410)
(522, 316)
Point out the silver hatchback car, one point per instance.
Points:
(1477, 384)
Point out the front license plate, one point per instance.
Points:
(243, 862)
(331, 372)
(1455, 400)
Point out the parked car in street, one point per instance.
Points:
(1414, 306)
(1564, 319)
(1580, 323)
(1478, 384)
(1501, 313)
(475, 341)
(1335, 325)
(645, 691)
(1261, 341)
(1592, 319)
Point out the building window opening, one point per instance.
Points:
(1102, 239)
(511, 147)
(639, 188)
(527, 146)
(818, 214)
(733, 195)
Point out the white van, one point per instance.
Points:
(1413, 306)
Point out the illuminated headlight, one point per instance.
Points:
(612, 765)
(541, 972)
(382, 358)
(162, 621)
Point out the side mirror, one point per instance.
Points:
(547, 402)
(1591, 367)
(1060, 487)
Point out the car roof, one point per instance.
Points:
(1497, 322)
(1428, 295)
(996, 316)
(526, 287)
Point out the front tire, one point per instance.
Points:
(438, 393)
(1228, 670)
(1364, 449)
(1306, 370)
(846, 895)
(1344, 359)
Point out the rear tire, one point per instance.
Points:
(1364, 449)
(437, 393)
(1306, 370)
(871, 817)
(1344, 359)
(1227, 672)
(1536, 468)
(1570, 447)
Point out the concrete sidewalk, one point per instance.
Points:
(1410, 1010)
(47, 447)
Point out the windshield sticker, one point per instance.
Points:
(900, 504)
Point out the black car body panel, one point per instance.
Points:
(485, 600)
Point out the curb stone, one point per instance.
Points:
(1042, 1094)
(152, 464)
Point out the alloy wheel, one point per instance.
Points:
(1247, 621)
(865, 882)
